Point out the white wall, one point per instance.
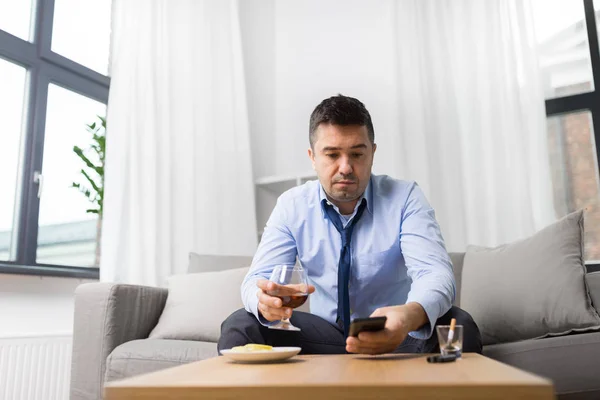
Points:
(32, 305)
(290, 68)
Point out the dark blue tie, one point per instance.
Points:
(343, 310)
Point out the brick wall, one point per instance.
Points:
(574, 170)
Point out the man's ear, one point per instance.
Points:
(374, 147)
(311, 155)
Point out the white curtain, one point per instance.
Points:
(472, 117)
(178, 168)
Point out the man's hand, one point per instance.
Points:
(400, 321)
(271, 307)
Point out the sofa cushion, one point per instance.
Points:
(212, 263)
(531, 288)
(148, 355)
(197, 304)
(593, 281)
(572, 362)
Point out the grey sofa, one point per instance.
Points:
(113, 322)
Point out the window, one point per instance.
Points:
(567, 39)
(53, 75)
(597, 10)
(16, 17)
(74, 37)
(564, 52)
(12, 98)
(66, 232)
(575, 173)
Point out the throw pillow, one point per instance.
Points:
(197, 304)
(209, 262)
(531, 288)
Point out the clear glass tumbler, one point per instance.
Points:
(454, 346)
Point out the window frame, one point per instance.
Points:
(588, 101)
(43, 68)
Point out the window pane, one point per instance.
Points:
(81, 32)
(12, 99)
(16, 17)
(67, 233)
(563, 47)
(597, 9)
(575, 173)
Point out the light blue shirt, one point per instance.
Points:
(398, 253)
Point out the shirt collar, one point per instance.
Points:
(367, 195)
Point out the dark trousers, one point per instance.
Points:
(318, 336)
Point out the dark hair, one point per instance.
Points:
(340, 110)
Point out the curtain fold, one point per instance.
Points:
(178, 165)
(472, 117)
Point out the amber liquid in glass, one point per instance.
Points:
(292, 301)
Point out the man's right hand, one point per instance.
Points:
(271, 307)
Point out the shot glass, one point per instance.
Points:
(450, 347)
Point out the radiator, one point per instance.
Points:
(35, 367)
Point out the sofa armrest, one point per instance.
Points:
(106, 316)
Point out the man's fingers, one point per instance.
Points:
(272, 306)
(380, 337)
(270, 301)
(355, 342)
(264, 311)
(362, 350)
(274, 314)
(354, 345)
(377, 313)
(269, 286)
(267, 314)
(266, 285)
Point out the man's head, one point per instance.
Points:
(342, 145)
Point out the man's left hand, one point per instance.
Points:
(400, 320)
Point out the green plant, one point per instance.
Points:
(93, 188)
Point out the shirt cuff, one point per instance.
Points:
(431, 303)
(252, 306)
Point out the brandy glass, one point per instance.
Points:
(292, 289)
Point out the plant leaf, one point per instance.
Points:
(95, 194)
(86, 160)
(91, 181)
(99, 170)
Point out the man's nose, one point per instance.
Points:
(345, 166)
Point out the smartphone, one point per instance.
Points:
(366, 325)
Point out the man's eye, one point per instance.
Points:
(331, 155)
(357, 155)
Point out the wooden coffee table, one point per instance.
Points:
(311, 377)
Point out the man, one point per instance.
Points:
(391, 261)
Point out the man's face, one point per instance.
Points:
(342, 157)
